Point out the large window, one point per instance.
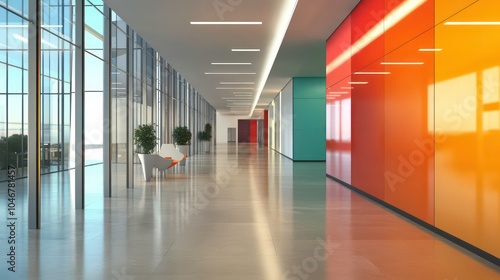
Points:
(13, 86)
(142, 86)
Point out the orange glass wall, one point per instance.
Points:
(419, 98)
(467, 116)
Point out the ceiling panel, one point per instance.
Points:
(191, 49)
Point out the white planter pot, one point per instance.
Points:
(184, 149)
(147, 162)
(206, 146)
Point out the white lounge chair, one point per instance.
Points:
(167, 158)
(168, 151)
(153, 160)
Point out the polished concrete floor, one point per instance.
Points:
(241, 212)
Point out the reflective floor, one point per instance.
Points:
(241, 212)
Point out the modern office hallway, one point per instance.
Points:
(241, 212)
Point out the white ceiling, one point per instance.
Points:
(190, 49)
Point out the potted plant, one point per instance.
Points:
(182, 139)
(145, 139)
(205, 136)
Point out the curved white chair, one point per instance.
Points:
(169, 151)
(153, 160)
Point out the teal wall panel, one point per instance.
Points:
(309, 115)
(309, 87)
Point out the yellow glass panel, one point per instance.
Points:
(467, 166)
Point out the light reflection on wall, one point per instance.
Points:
(456, 112)
(437, 113)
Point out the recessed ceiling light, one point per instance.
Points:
(231, 63)
(357, 83)
(214, 73)
(472, 23)
(429, 50)
(226, 22)
(372, 73)
(245, 50)
(401, 63)
(237, 83)
(231, 88)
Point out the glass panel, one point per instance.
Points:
(57, 95)
(13, 63)
(94, 30)
(467, 106)
(119, 115)
(58, 17)
(94, 73)
(118, 48)
(93, 127)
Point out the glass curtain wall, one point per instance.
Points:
(143, 88)
(13, 86)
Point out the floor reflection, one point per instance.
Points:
(240, 212)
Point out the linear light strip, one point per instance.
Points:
(372, 73)
(214, 73)
(231, 63)
(429, 50)
(401, 63)
(245, 50)
(237, 83)
(232, 88)
(357, 83)
(226, 22)
(380, 28)
(472, 23)
(283, 22)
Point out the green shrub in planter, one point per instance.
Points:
(206, 135)
(182, 135)
(145, 138)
